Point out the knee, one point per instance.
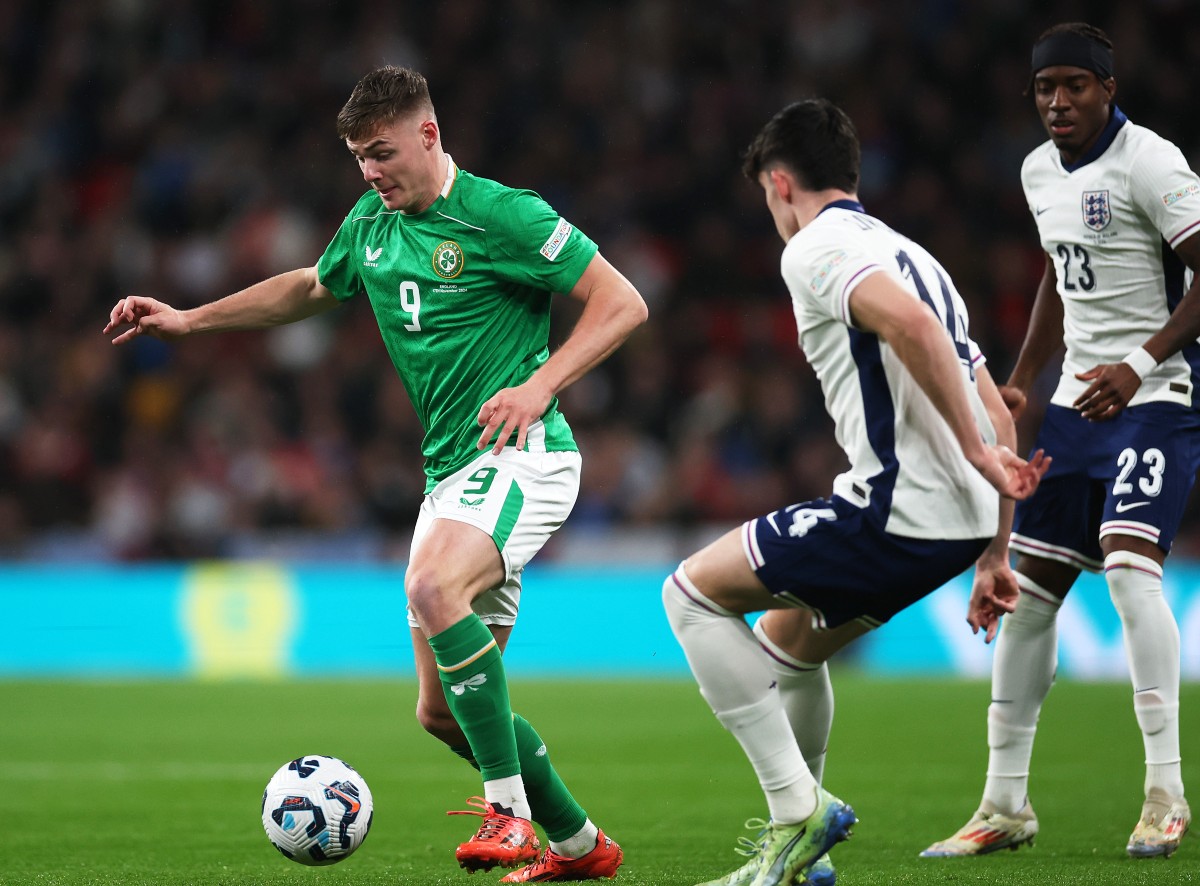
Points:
(424, 588)
(1037, 608)
(1132, 579)
(671, 594)
(685, 604)
(677, 602)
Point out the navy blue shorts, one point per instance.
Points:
(1128, 476)
(836, 560)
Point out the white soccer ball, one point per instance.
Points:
(317, 810)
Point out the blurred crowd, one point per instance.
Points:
(185, 148)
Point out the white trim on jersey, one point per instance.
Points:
(451, 175)
(854, 280)
(460, 221)
(376, 215)
(1193, 228)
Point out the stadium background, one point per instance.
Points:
(185, 149)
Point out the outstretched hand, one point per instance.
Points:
(145, 316)
(1012, 476)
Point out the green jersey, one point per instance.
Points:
(461, 292)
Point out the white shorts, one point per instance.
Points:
(519, 499)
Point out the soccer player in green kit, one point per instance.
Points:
(460, 271)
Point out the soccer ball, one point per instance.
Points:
(317, 810)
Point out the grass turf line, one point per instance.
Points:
(159, 783)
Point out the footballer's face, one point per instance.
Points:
(1074, 105)
(401, 161)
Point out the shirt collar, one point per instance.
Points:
(451, 175)
(852, 205)
(1107, 136)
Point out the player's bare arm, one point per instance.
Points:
(284, 298)
(1114, 384)
(994, 589)
(612, 309)
(880, 305)
(1043, 339)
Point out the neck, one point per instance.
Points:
(440, 171)
(809, 204)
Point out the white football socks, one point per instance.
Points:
(580, 844)
(734, 679)
(807, 697)
(1022, 674)
(1152, 648)
(508, 792)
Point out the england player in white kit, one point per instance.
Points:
(918, 417)
(1118, 215)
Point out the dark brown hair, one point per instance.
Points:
(815, 140)
(384, 95)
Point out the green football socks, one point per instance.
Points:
(553, 806)
(472, 674)
(560, 816)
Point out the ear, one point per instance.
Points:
(1110, 86)
(783, 184)
(429, 133)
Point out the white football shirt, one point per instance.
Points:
(904, 460)
(1109, 223)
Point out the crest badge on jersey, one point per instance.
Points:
(1097, 213)
(448, 259)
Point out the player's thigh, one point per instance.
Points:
(1133, 544)
(457, 554)
(1053, 576)
(722, 573)
(516, 500)
(793, 631)
(454, 563)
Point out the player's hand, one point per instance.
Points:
(145, 316)
(1112, 387)
(993, 594)
(1014, 398)
(512, 410)
(1012, 476)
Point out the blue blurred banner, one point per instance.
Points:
(251, 619)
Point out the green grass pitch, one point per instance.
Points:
(159, 783)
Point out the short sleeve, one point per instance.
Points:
(823, 270)
(533, 245)
(1167, 191)
(335, 269)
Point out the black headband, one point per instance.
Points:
(1075, 50)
